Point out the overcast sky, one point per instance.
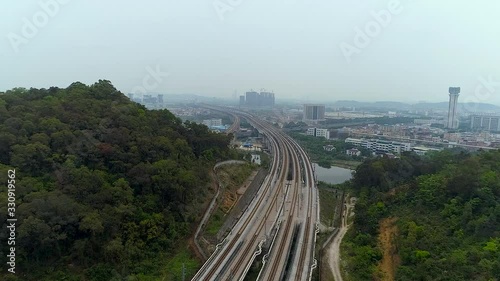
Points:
(309, 50)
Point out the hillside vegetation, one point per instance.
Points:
(441, 214)
(105, 189)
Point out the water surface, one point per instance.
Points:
(334, 175)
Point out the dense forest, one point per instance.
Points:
(104, 187)
(441, 213)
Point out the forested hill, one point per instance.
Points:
(432, 218)
(103, 185)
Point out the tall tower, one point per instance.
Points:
(452, 108)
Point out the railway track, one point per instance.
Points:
(232, 259)
(282, 249)
(242, 260)
(308, 224)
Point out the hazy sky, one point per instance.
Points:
(306, 49)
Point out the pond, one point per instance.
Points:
(333, 175)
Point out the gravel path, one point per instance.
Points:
(334, 248)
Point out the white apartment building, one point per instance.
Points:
(421, 150)
(318, 132)
(353, 152)
(380, 145)
(212, 122)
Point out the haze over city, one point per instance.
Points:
(299, 49)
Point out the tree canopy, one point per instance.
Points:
(102, 184)
(446, 207)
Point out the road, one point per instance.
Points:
(284, 214)
(334, 248)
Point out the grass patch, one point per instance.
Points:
(215, 222)
(348, 164)
(329, 200)
(323, 270)
(173, 268)
(233, 176)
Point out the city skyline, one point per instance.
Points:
(382, 50)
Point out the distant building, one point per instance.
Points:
(316, 132)
(353, 152)
(311, 132)
(219, 129)
(452, 108)
(389, 155)
(256, 159)
(314, 112)
(254, 99)
(212, 122)
(329, 147)
(380, 146)
(485, 122)
(420, 150)
(160, 99)
(149, 99)
(266, 99)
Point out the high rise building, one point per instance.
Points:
(314, 112)
(485, 122)
(452, 108)
(266, 99)
(160, 99)
(254, 99)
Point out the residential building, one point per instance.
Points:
(254, 99)
(420, 150)
(329, 147)
(353, 152)
(318, 132)
(485, 122)
(380, 146)
(314, 112)
(256, 159)
(212, 122)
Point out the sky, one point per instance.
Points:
(311, 50)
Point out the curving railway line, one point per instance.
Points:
(288, 200)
